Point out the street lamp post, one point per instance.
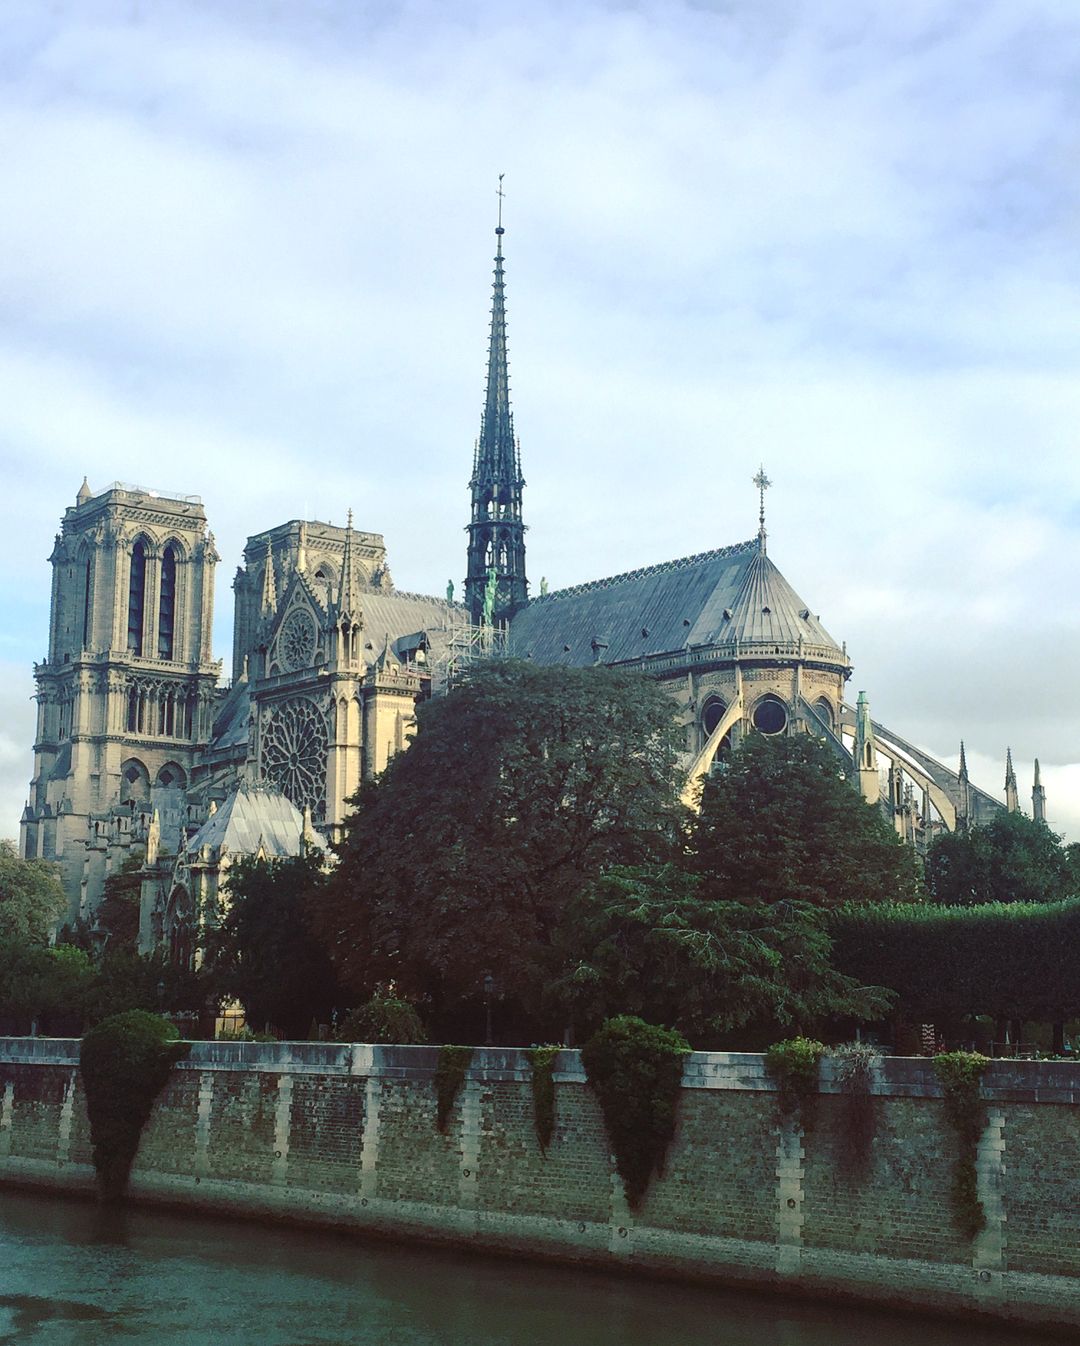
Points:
(489, 991)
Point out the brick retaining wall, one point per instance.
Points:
(346, 1135)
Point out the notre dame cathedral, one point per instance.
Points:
(142, 751)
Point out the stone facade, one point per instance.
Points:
(345, 1135)
(127, 692)
(136, 741)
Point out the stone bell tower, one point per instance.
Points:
(126, 692)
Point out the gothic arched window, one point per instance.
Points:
(167, 603)
(86, 606)
(136, 597)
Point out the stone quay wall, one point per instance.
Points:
(346, 1136)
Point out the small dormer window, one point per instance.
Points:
(644, 632)
(804, 614)
(727, 614)
(766, 611)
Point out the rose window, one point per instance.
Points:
(294, 747)
(298, 641)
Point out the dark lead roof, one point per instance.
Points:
(714, 598)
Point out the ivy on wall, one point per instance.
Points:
(855, 1064)
(960, 1075)
(449, 1077)
(636, 1071)
(795, 1065)
(542, 1060)
(125, 1061)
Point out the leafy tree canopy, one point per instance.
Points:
(652, 940)
(264, 952)
(1011, 859)
(779, 823)
(31, 898)
(521, 786)
(118, 912)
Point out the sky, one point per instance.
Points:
(246, 252)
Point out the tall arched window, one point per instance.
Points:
(136, 597)
(167, 605)
(86, 606)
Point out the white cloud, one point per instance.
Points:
(245, 253)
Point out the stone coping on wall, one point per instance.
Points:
(895, 1077)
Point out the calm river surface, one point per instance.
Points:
(73, 1275)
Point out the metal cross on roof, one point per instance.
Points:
(762, 482)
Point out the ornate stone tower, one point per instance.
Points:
(496, 553)
(126, 694)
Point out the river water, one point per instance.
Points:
(72, 1274)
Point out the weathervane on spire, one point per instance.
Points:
(762, 482)
(500, 194)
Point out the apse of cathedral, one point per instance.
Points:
(144, 752)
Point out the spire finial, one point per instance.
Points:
(762, 482)
(500, 194)
(347, 602)
(1038, 796)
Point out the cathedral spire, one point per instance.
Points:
(496, 531)
(1012, 797)
(1038, 797)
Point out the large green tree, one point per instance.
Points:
(1010, 859)
(780, 823)
(521, 786)
(659, 941)
(31, 898)
(264, 953)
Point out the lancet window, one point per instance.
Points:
(137, 597)
(167, 603)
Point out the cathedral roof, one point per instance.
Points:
(250, 818)
(716, 598)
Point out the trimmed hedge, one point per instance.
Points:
(1009, 960)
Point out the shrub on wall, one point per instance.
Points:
(125, 1061)
(543, 1090)
(449, 1077)
(960, 1074)
(795, 1066)
(383, 1018)
(636, 1070)
(855, 1063)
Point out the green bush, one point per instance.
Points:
(383, 1018)
(960, 1074)
(125, 1061)
(795, 1064)
(636, 1070)
(543, 1089)
(449, 1077)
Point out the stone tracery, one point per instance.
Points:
(294, 747)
